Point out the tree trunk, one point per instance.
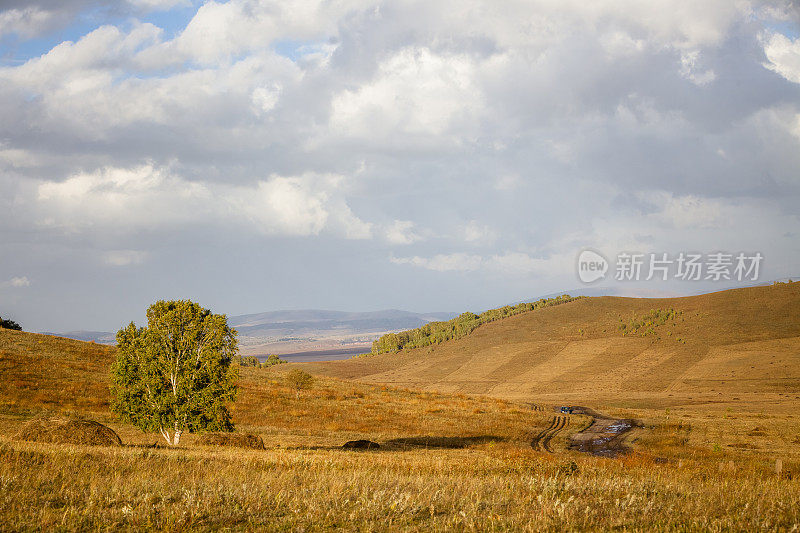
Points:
(165, 434)
(171, 440)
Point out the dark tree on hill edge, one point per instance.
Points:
(9, 324)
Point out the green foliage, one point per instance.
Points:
(272, 360)
(461, 326)
(250, 360)
(646, 325)
(9, 324)
(176, 374)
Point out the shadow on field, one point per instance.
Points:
(442, 442)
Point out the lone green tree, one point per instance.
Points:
(177, 374)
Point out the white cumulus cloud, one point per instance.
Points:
(402, 232)
(415, 93)
(16, 282)
(147, 197)
(784, 56)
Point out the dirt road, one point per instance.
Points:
(605, 436)
(542, 440)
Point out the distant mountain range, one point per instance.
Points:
(311, 322)
(305, 329)
(101, 337)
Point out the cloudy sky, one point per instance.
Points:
(362, 154)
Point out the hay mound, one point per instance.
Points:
(237, 440)
(62, 430)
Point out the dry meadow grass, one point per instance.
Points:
(483, 489)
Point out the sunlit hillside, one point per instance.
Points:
(732, 344)
(45, 372)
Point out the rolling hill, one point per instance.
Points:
(55, 373)
(715, 347)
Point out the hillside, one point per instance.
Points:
(54, 374)
(725, 344)
(45, 372)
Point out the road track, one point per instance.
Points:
(604, 436)
(542, 440)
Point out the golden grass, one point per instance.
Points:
(53, 373)
(333, 406)
(487, 489)
(232, 440)
(441, 467)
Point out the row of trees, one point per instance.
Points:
(252, 360)
(461, 326)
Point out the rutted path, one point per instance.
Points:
(542, 440)
(604, 437)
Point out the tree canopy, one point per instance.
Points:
(9, 324)
(461, 326)
(178, 373)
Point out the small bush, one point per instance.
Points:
(272, 360)
(646, 325)
(299, 380)
(250, 360)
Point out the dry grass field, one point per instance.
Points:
(455, 425)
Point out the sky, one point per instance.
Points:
(363, 155)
